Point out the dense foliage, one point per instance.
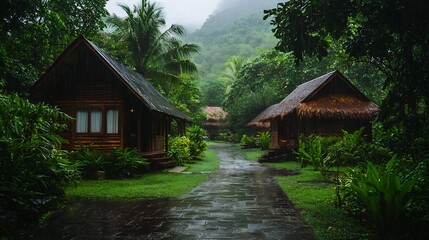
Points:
(178, 149)
(198, 144)
(34, 32)
(384, 194)
(189, 147)
(34, 172)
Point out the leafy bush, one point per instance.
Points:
(178, 149)
(248, 141)
(383, 193)
(34, 172)
(124, 163)
(264, 140)
(352, 150)
(88, 161)
(197, 137)
(228, 137)
(312, 151)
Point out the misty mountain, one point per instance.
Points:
(236, 28)
(229, 11)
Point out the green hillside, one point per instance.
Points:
(235, 29)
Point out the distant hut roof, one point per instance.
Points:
(305, 101)
(134, 81)
(215, 113)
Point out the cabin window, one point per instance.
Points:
(112, 121)
(96, 120)
(82, 121)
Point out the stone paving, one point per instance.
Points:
(239, 201)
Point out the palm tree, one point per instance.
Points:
(232, 68)
(160, 56)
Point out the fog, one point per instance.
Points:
(189, 13)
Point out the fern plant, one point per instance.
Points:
(383, 193)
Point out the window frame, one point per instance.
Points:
(88, 108)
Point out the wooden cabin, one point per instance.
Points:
(112, 106)
(215, 120)
(323, 106)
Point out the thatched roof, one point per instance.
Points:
(306, 103)
(258, 122)
(135, 82)
(214, 113)
(337, 106)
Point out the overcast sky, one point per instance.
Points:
(188, 13)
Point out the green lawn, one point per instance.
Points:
(150, 185)
(316, 199)
(252, 154)
(210, 162)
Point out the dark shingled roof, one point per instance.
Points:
(303, 93)
(140, 86)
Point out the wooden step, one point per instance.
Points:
(167, 164)
(159, 160)
(153, 154)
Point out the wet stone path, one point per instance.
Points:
(239, 201)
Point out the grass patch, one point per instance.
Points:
(317, 203)
(151, 185)
(252, 154)
(210, 162)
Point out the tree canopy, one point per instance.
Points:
(34, 32)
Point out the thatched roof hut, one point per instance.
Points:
(312, 99)
(324, 105)
(214, 114)
(215, 120)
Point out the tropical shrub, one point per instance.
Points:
(383, 193)
(248, 141)
(264, 140)
(228, 137)
(88, 161)
(34, 172)
(124, 163)
(197, 137)
(178, 149)
(311, 151)
(352, 150)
